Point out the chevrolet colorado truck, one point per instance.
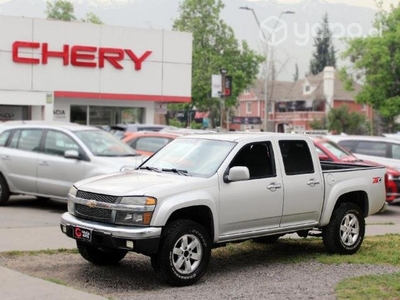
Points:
(204, 191)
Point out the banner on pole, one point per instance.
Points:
(216, 86)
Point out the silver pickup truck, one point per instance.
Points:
(201, 192)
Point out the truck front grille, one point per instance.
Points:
(96, 214)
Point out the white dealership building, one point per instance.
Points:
(90, 74)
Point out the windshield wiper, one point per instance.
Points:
(150, 169)
(177, 171)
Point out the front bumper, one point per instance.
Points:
(139, 239)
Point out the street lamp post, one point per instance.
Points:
(266, 65)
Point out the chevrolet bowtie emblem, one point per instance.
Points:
(91, 203)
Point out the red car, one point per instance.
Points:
(330, 151)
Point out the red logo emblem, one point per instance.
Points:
(376, 180)
(78, 232)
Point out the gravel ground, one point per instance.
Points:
(231, 275)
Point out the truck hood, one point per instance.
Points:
(119, 162)
(137, 183)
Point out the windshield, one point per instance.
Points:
(337, 151)
(192, 157)
(102, 143)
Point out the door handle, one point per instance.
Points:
(43, 163)
(274, 186)
(312, 182)
(5, 157)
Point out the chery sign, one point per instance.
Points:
(79, 56)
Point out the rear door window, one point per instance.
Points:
(27, 139)
(296, 157)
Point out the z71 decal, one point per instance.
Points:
(376, 180)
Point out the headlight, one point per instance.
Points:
(72, 191)
(71, 205)
(141, 212)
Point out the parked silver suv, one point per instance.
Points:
(44, 159)
(382, 150)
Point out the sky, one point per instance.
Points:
(364, 3)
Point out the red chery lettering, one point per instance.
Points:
(79, 56)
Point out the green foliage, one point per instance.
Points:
(64, 10)
(376, 63)
(318, 124)
(92, 18)
(176, 123)
(341, 120)
(325, 53)
(215, 47)
(372, 287)
(60, 10)
(195, 125)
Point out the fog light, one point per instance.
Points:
(129, 244)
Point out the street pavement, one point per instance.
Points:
(18, 286)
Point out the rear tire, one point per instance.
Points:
(345, 232)
(4, 191)
(100, 257)
(184, 253)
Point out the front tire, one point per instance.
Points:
(100, 257)
(4, 191)
(184, 253)
(345, 232)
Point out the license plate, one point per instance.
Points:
(82, 233)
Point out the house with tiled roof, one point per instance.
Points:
(293, 105)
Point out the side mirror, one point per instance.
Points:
(73, 154)
(238, 174)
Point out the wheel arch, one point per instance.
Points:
(359, 198)
(200, 214)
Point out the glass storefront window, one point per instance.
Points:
(106, 115)
(79, 114)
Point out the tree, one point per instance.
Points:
(318, 124)
(376, 65)
(215, 47)
(341, 120)
(92, 18)
(325, 54)
(60, 10)
(64, 10)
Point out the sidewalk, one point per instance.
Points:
(17, 286)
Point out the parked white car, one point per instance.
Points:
(44, 159)
(382, 150)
